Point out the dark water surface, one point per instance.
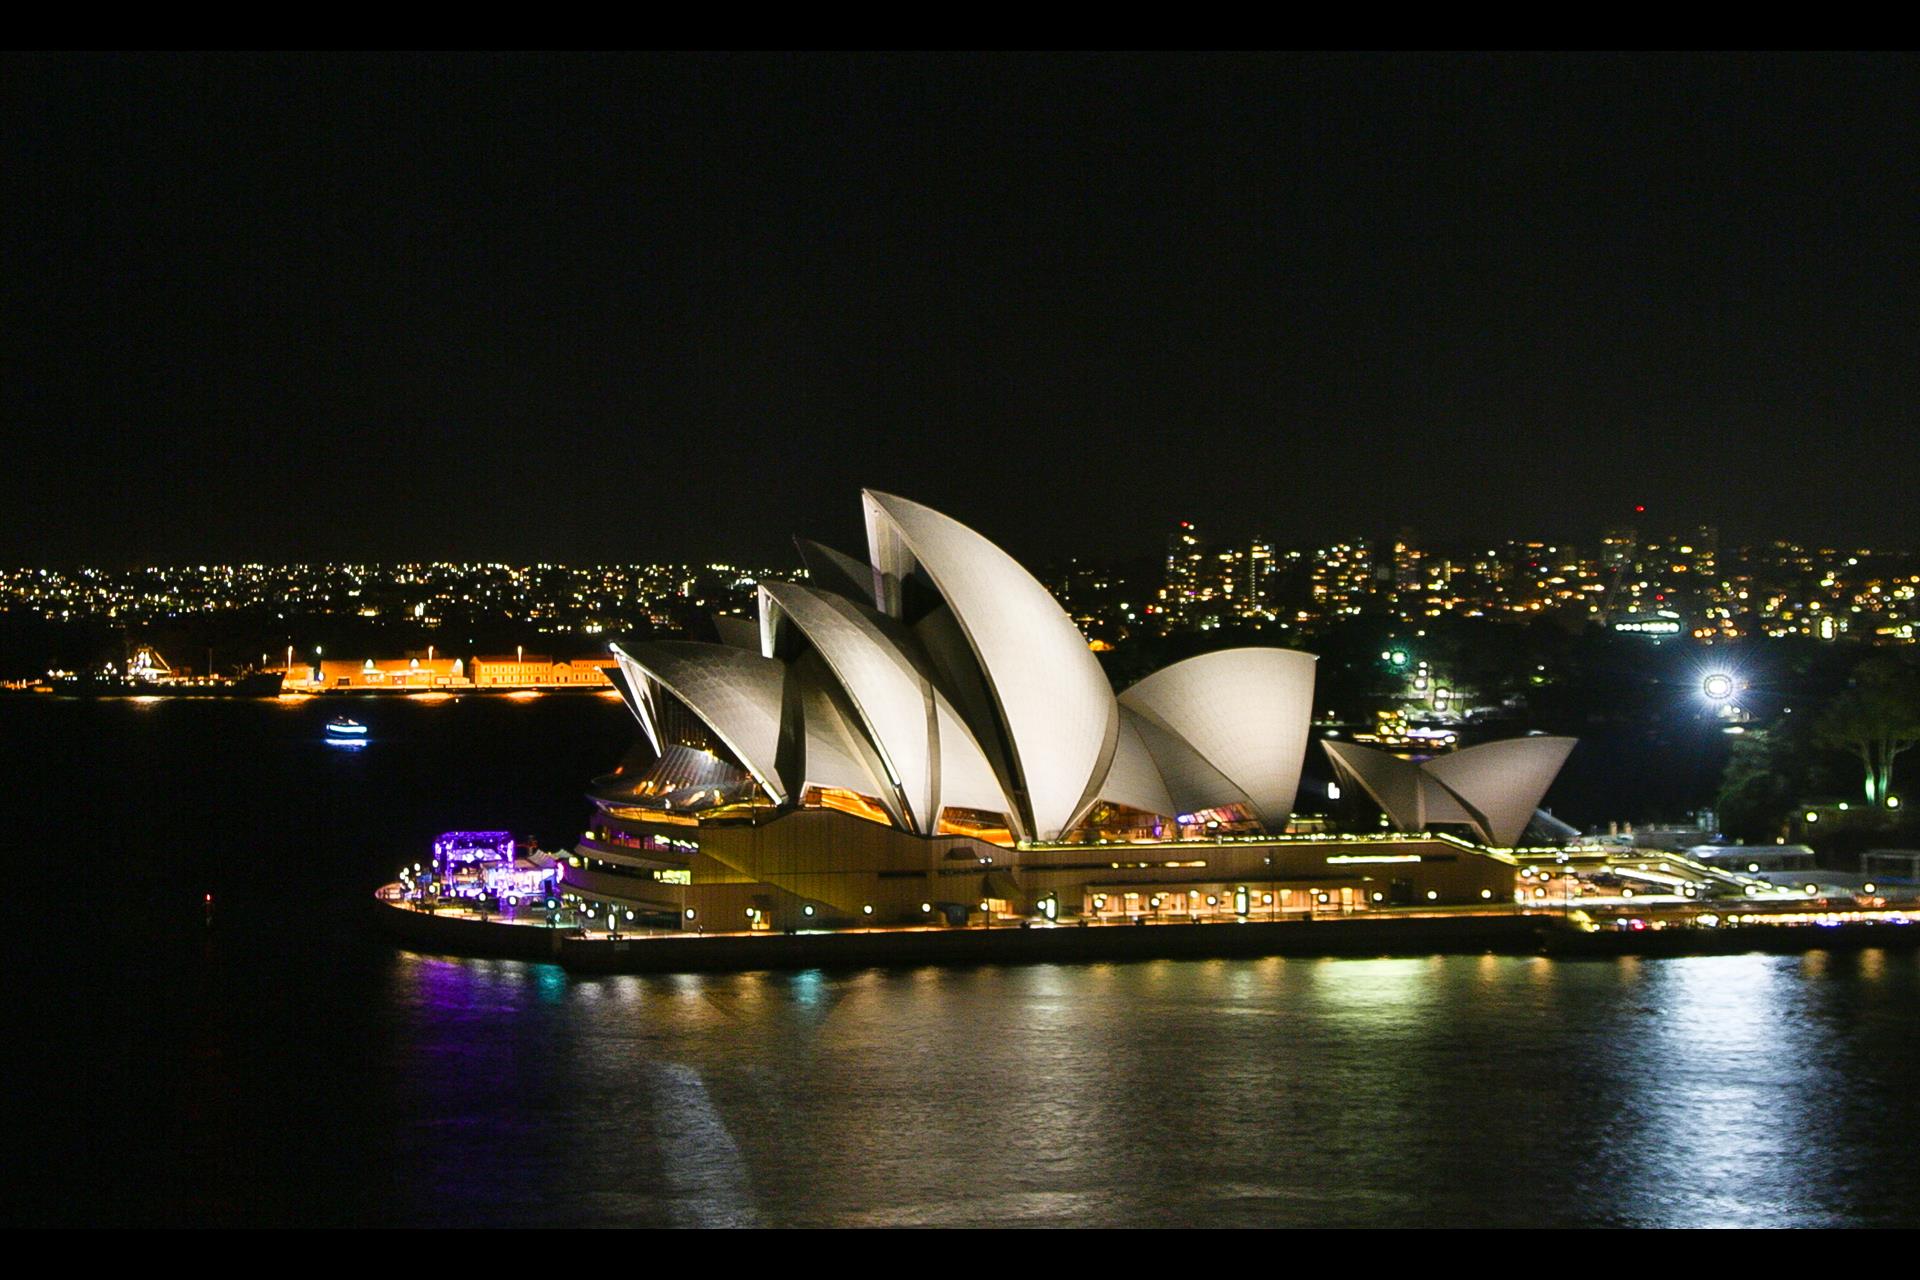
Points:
(284, 1067)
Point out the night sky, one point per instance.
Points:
(640, 308)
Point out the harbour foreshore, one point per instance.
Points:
(1515, 932)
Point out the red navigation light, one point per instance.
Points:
(1639, 510)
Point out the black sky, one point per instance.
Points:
(636, 308)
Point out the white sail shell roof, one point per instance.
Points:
(1135, 779)
(837, 754)
(967, 781)
(636, 690)
(1391, 782)
(968, 687)
(1061, 718)
(890, 696)
(1493, 788)
(741, 633)
(1502, 782)
(735, 691)
(1245, 712)
(1412, 798)
(835, 572)
(927, 753)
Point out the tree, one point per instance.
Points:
(1758, 789)
(1875, 721)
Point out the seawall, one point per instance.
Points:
(1371, 935)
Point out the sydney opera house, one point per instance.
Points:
(926, 737)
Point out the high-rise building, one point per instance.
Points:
(1618, 547)
(1619, 554)
(1342, 581)
(1186, 572)
(1408, 576)
(1221, 589)
(1255, 597)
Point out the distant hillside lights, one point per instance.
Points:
(1632, 582)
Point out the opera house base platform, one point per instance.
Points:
(1482, 931)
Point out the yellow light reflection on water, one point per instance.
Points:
(1376, 991)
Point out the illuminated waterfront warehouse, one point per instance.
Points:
(926, 736)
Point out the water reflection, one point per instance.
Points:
(1733, 1084)
(1430, 1091)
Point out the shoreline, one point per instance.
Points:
(1517, 933)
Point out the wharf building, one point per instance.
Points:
(540, 671)
(413, 672)
(430, 673)
(926, 737)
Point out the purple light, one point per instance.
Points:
(457, 849)
(478, 864)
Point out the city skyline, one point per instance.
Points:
(1685, 584)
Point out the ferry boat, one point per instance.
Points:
(342, 729)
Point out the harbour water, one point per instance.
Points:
(283, 1066)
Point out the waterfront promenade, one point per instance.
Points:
(1504, 931)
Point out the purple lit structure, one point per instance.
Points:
(476, 864)
(457, 851)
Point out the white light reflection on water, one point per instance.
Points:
(698, 1154)
(1437, 1091)
(1731, 1084)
